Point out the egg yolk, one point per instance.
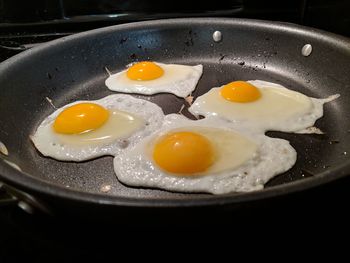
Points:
(145, 70)
(183, 153)
(240, 91)
(79, 118)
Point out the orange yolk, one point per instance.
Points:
(79, 118)
(240, 91)
(145, 70)
(183, 153)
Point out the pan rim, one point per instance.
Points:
(30, 183)
(267, 24)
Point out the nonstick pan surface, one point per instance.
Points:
(73, 68)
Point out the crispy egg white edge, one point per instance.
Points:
(140, 87)
(301, 124)
(153, 116)
(274, 156)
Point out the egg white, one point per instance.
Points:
(180, 80)
(50, 143)
(273, 156)
(295, 112)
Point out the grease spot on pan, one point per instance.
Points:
(306, 173)
(333, 142)
(123, 40)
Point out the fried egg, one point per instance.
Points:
(209, 155)
(84, 130)
(150, 78)
(261, 105)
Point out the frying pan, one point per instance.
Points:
(73, 68)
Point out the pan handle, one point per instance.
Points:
(5, 198)
(12, 196)
(15, 46)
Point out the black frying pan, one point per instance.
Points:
(73, 68)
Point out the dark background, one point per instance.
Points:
(330, 15)
(24, 24)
